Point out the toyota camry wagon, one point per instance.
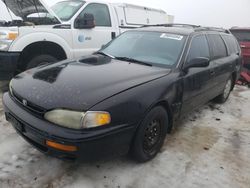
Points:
(126, 97)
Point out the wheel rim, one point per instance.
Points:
(227, 88)
(152, 136)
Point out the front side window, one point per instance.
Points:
(65, 10)
(100, 12)
(156, 48)
(199, 48)
(217, 46)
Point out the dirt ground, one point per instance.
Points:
(209, 148)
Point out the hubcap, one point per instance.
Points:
(227, 88)
(152, 136)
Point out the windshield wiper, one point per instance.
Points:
(133, 61)
(105, 54)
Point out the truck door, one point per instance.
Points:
(87, 41)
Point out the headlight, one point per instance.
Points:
(6, 38)
(8, 35)
(78, 120)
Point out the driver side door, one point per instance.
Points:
(197, 81)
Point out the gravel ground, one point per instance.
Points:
(209, 148)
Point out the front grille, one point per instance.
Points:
(37, 110)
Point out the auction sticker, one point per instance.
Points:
(171, 36)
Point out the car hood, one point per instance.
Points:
(24, 8)
(79, 85)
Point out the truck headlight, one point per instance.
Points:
(6, 38)
(77, 120)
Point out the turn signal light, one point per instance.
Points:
(61, 147)
(12, 36)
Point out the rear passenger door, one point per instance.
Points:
(197, 81)
(234, 51)
(221, 63)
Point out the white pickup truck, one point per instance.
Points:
(68, 29)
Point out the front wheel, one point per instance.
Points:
(222, 98)
(150, 135)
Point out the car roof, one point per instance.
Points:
(181, 29)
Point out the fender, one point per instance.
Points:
(25, 40)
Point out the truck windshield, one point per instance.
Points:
(155, 48)
(65, 10)
(242, 35)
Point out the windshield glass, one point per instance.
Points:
(242, 35)
(65, 10)
(156, 48)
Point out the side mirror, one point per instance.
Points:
(197, 62)
(87, 22)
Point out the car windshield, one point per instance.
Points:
(65, 10)
(242, 35)
(155, 48)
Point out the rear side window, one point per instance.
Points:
(217, 45)
(232, 44)
(199, 48)
(100, 12)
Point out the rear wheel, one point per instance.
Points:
(151, 135)
(226, 92)
(41, 60)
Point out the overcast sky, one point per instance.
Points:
(220, 13)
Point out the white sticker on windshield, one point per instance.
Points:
(171, 36)
(74, 4)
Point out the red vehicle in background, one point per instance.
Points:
(243, 37)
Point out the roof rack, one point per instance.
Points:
(173, 25)
(218, 29)
(237, 27)
(195, 27)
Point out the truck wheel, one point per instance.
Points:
(41, 60)
(150, 135)
(222, 98)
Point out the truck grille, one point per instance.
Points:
(34, 109)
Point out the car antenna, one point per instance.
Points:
(8, 10)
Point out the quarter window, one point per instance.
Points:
(232, 44)
(199, 48)
(217, 46)
(100, 12)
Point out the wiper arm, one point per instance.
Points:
(133, 61)
(105, 54)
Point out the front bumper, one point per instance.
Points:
(91, 144)
(8, 64)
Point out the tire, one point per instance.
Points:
(222, 98)
(41, 60)
(144, 147)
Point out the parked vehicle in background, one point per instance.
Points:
(69, 29)
(125, 96)
(243, 37)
